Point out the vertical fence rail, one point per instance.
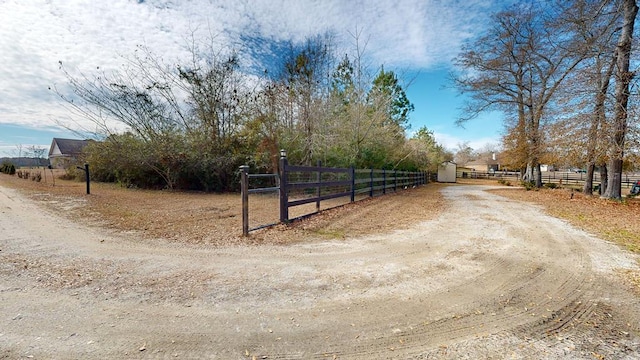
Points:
(319, 188)
(353, 184)
(284, 199)
(371, 184)
(244, 191)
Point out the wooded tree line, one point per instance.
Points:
(562, 73)
(191, 125)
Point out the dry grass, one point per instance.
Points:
(194, 217)
(215, 219)
(618, 222)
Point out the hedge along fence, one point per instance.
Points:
(302, 186)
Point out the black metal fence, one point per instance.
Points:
(304, 186)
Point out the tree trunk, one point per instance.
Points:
(598, 120)
(623, 79)
(538, 175)
(588, 182)
(528, 174)
(604, 178)
(614, 180)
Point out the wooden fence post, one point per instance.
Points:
(371, 184)
(319, 179)
(353, 184)
(395, 180)
(384, 181)
(244, 191)
(284, 198)
(86, 170)
(87, 177)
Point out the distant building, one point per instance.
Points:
(65, 152)
(482, 165)
(447, 172)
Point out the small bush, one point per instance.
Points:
(8, 168)
(551, 185)
(528, 185)
(37, 177)
(504, 182)
(72, 173)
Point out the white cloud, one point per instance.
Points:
(85, 34)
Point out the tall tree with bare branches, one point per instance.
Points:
(623, 77)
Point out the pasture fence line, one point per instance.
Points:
(297, 186)
(558, 177)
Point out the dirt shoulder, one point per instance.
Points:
(480, 276)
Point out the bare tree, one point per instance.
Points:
(623, 77)
(579, 136)
(518, 66)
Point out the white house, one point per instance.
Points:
(63, 152)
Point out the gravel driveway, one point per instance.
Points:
(489, 278)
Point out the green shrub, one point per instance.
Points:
(528, 185)
(8, 168)
(551, 185)
(504, 182)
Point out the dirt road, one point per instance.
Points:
(489, 278)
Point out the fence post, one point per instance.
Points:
(244, 191)
(86, 170)
(319, 179)
(284, 198)
(87, 177)
(384, 181)
(353, 184)
(395, 180)
(371, 184)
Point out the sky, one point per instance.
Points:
(417, 39)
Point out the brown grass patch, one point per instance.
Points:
(616, 221)
(216, 219)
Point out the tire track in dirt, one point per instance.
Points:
(540, 300)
